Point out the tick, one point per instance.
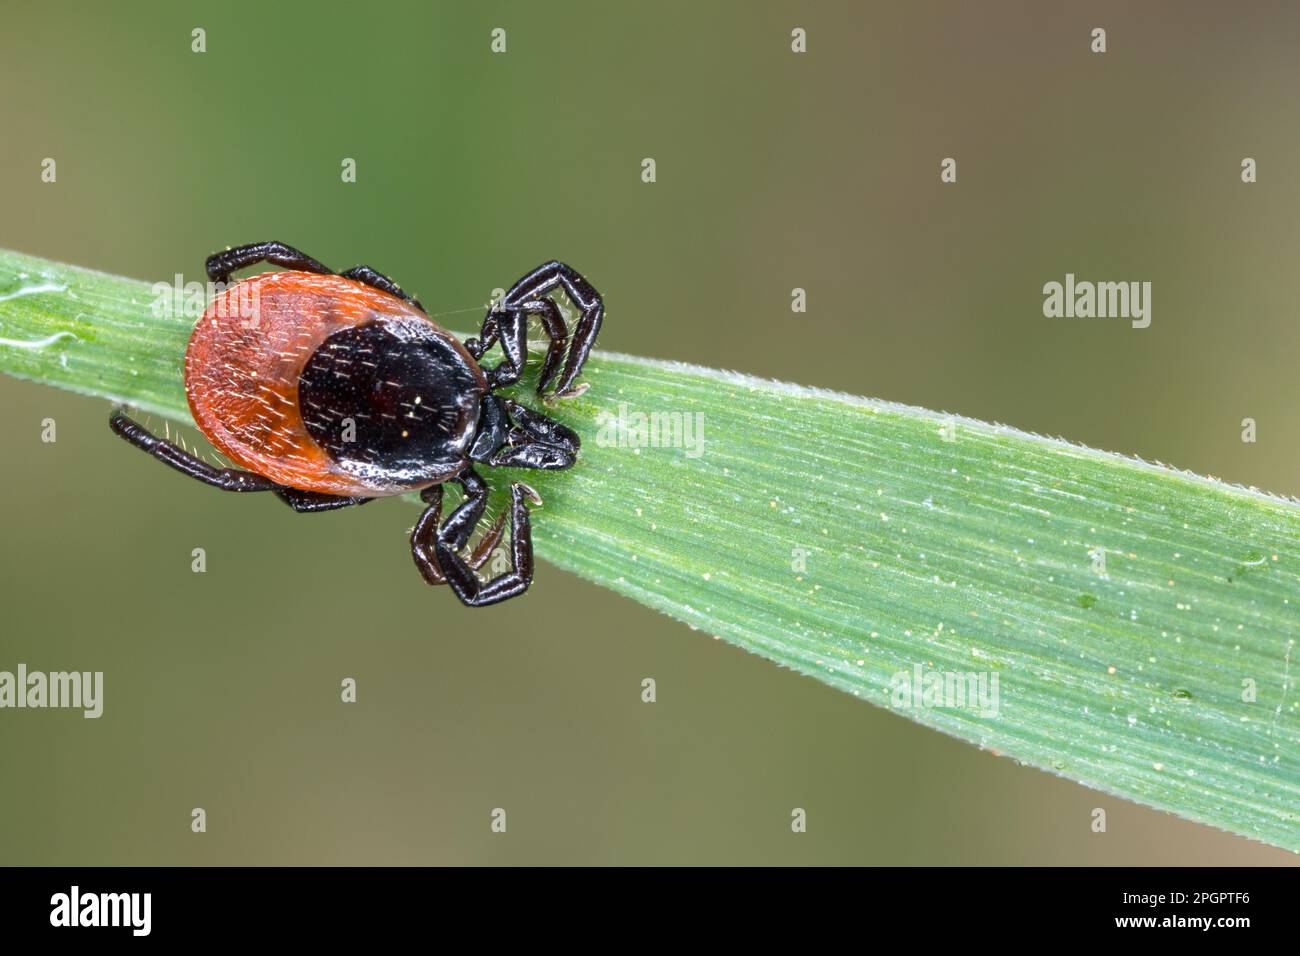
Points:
(331, 390)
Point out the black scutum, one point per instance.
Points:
(390, 408)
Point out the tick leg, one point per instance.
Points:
(227, 479)
(312, 501)
(514, 582)
(425, 534)
(462, 522)
(553, 325)
(487, 337)
(377, 280)
(512, 330)
(536, 441)
(533, 455)
(539, 427)
(535, 286)
(221, 264)
(510, 326)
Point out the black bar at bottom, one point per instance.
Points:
(210, 905)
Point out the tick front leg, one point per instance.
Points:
(511, 328)
(460, 575)
(425, 534)
(536, 441)
(553, 325)
(227, 479)
(487, 336)
(535, 286)
(221, 264)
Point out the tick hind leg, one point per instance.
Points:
(220, 265)
(227, 479)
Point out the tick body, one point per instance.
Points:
(327, 385)
(331, 390)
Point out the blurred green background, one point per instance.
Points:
(774, 170)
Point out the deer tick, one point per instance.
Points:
(335, 389)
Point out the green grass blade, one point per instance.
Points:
(1141, 621)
